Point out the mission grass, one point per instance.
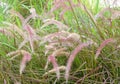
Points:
(60, 48)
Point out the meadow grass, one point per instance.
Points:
(68, 41)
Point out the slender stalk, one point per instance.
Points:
(75, 16)
(95, 23)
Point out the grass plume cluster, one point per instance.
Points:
(58, 42)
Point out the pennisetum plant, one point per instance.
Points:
(65, 42)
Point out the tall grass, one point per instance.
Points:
(58, 42)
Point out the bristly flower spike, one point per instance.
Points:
(52, 59)
(103, 44)
(72, 56)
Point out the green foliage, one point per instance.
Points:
(86, 23)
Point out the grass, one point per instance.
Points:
(62, 42)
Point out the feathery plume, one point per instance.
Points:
(26, 58)
(15, 28)
(6, 32)
(54, 70)
(58, 4)
(33, 13)
(55, 53)
(103, 44)
(5, 82)
(60, 51)
(52, 59)
(13, 12)
(31, 34)
(65, 5)
(71, 58)
(59, 25)
(114, 13)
